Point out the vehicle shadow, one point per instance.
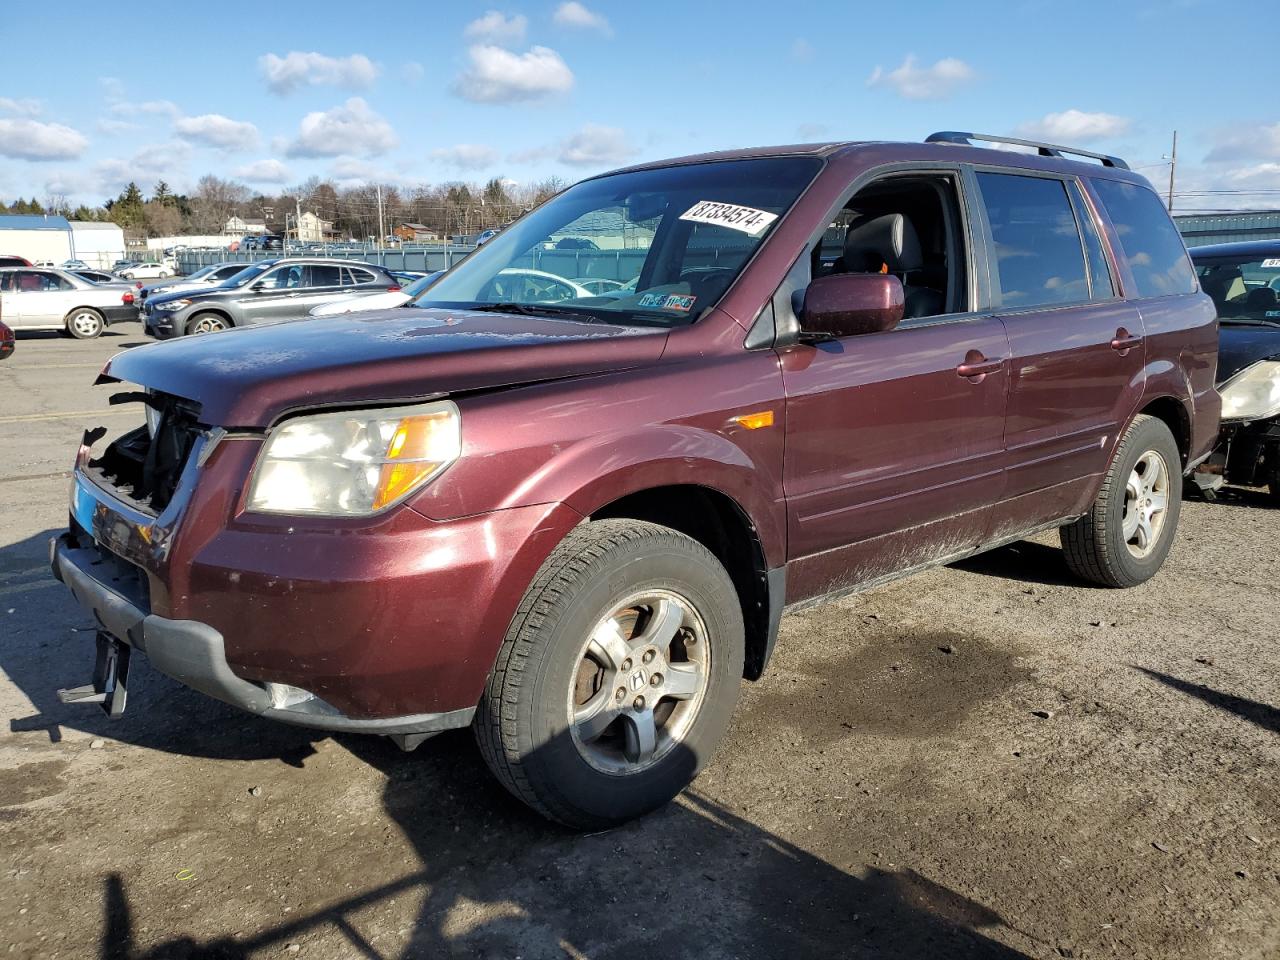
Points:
(1024, 561)
(1261, 714)
(690, 880)
(49, 644)
(1243, 497)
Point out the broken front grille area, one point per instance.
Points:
(144, 465)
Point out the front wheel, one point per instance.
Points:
(207, 323)
(1124, 539)
(84, 323)
(617, 677)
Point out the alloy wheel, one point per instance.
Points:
(1146, 502)
(86, 323)
(641, 680)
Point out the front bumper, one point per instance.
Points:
(159, 323)
(193, 653)
(1248, 452)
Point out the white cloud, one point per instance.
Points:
(350, 127)
(25, 139)
(801, 50)
(501, 76)
(412, 72)
(297, 69)
(494, 27)
(115, 128)
(596, 146)
(466, 156)
(263, 171)
(23, 107)
(1246, 142)
(574, 14)
(915, 82)
(215, 130)
(1076, 126)
(151, 162)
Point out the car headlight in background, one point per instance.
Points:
(354, 463)
(1253, 393)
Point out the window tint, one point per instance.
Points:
(323, 275)
(1101, 286)
(1039, 257)
(1151, 244)
(361, 276)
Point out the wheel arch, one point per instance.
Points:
(718, 522)
(215, 310)
(1174, 414)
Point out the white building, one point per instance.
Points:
(245, 226)
(36, 237)
(97, 244)
(311, 229)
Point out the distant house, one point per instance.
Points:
(245, 227)
(415, 233)
(311, 229)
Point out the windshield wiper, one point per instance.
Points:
(538, 310)
(1249, 321)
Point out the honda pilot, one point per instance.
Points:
(571, 517)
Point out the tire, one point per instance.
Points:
(1099, 547)
(84, 323)
(207, 323)
(544, 671)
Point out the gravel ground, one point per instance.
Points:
(986, 760)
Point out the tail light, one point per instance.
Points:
(127, 298)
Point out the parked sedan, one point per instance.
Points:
(283, 289)
(149, 270)
(99, 276)
(349, 303)
(33, 298)
(203, 278)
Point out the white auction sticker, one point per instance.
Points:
(1271, 263)
(747, 219)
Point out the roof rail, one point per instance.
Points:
(1043, 149)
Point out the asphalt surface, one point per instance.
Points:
(987, 760)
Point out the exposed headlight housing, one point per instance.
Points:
(355, 463)
(1253, 393)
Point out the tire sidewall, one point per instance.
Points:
(79, 311)
(636, 566)
(1148, 434)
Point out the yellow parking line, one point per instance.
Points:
(66, 415)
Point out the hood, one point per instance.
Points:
(1241, 345)
(250, 376)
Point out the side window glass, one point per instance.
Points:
(323, 275)
(1101, 286)
(1039, 255)
(361, 276)
(1150, 242)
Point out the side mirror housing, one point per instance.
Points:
(850, 304)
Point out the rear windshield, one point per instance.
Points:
(1243, 288)
(652, 247)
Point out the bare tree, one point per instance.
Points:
(216, 201)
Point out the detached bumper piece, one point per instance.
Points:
(193, 654)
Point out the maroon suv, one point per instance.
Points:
(566, 495)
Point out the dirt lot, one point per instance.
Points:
(983, 761)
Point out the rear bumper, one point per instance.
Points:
(194, 654)
(121, 314)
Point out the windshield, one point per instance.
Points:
(245, 275)
(650, 247)
(1242, 288)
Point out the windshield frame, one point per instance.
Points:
(809, 169)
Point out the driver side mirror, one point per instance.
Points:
(851, 304)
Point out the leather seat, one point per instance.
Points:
(889, 244)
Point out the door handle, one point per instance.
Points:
(976, 366)
(1124, 341)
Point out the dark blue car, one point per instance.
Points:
(1244, 281)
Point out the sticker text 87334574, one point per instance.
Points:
(747, 219)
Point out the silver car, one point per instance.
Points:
(40, 298)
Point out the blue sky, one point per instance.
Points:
(271, 94)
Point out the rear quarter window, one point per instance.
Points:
(1149, 242)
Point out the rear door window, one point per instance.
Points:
(323, 275)
(1039, 256)
(1150, 243)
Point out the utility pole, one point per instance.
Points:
(297, 220)
(382, 229)
(1173, 166)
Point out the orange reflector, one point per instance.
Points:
(754, 421)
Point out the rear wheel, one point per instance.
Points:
(1124, 539)
(617, 677)
(207, 323)
(84, 323)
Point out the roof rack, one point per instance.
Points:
(1043, 149)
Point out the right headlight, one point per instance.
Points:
(354, 463)
(1253, 393)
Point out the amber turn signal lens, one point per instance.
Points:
(419, 447)
(754, 421)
